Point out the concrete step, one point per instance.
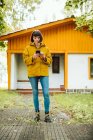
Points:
(29, 91)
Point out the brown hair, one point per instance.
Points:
(36, 33)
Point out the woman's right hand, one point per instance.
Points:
(35, 56)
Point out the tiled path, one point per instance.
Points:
(18, 124)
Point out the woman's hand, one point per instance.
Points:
(35, 56)
(42, 56)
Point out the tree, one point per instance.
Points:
(2, 23)
(82, 10)
(1, 3)
(14, 12)
(1, 16)
(17, 11)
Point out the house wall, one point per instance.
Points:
(55, 80)
(22, 78)
(14, 70)
(78, 74)
(60, 39)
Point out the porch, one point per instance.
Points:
(19, 79)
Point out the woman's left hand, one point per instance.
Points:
(42, 55)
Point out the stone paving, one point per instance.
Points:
(19, 124)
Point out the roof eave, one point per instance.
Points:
(40, 27)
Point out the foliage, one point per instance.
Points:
(79, 106)
(13, 13)
(1, 17)
(1, 3)
(1, 22)
(84, 10)
(3, 44)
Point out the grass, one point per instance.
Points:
(11, 99)
(78, 106)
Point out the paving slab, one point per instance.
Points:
(18, 124)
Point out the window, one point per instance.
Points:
(91, 67)
(55, 64)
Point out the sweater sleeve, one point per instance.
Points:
(48, 58)
(28, 59)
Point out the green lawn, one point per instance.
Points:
(11, 99)
(78, 106)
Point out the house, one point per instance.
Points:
(72, 53)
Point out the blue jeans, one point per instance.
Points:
(44, 80)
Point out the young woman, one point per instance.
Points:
(37, 58)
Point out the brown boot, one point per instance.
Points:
(47, 118)
(37, 116)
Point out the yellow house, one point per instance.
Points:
(72, 53)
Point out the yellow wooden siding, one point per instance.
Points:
(9, 45)
(18, 44)
(60, 39)
(66, 39)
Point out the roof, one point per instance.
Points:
(40, 27)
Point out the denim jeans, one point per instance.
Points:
(44, 80)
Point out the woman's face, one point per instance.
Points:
(36, 39)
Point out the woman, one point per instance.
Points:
(37, 58)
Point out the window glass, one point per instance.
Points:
(55, 64)
(91, 67)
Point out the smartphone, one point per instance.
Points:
(38, 51)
